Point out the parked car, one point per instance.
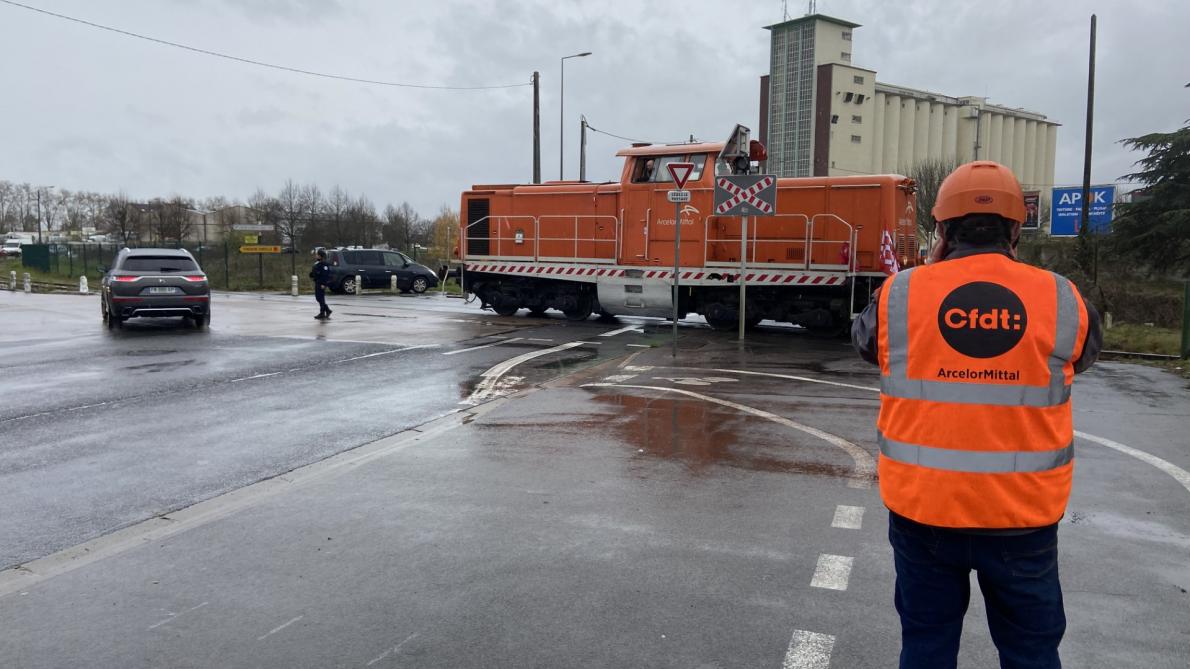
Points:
(11, 248)
(151, 283)
(376, 267)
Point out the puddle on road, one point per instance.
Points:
(703, 437)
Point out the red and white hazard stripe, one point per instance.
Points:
(771, 277)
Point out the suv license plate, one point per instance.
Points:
(163, 290)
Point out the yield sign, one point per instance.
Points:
(680, 173)
(746, 195)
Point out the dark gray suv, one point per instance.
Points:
(376, 268)
(155, 283)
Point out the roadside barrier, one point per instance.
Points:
(393, 282)
(293, 285)
(359, 285)
(83, 285)
(28, 284)
(12, 280)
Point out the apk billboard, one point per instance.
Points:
(1066, 210)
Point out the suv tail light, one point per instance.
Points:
(195, 278)
(125, 279)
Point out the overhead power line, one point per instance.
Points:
(609, 134)
(249, 61)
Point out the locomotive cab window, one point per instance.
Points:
(661, 173)
(644, 169)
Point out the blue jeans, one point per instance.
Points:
(1017, 574)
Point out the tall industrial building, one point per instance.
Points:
(823, 116)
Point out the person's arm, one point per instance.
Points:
(1093, 343)
(865, 329)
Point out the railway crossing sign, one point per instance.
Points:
(746, 195)
(680, 173)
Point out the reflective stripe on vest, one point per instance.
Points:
(976, 462)
(898, 383)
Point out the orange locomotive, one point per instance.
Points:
(583, 247)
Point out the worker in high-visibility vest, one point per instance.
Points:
(977, 354)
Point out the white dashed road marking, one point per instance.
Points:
(175, 616)
(392, 650)
(809, 650)
(848, 517)
(832, 572)
(476, 348)
(279, 628)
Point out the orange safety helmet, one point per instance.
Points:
(981, 187)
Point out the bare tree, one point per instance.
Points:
(929, 175)
(121, 219)
(336, 212)
(400, 226)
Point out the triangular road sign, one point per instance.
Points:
(680, 173)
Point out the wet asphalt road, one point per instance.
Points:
(622, 509)
(125, 425)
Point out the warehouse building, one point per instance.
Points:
(823, 116)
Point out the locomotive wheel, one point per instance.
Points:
(580, 312)
(720, 317)
(506, 308)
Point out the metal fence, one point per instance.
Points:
(225, 266)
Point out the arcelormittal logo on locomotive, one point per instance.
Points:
(982, 320)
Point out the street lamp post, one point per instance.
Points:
(562, 112)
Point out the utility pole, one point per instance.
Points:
(1084, 228)
(562, 110)
(39, 215)
(582, 149)
(536, 128)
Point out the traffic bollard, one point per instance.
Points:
(12, 280)
(83, 285)
(359, 285)
(28, 284)
(393, 281)
(293, 285)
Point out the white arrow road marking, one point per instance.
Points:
(809, 650)
(832, 572)
(489, 386)
(863, 469)
(631, 328)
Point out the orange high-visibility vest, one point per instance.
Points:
(976, 361)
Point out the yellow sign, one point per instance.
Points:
(251, 239)
(259, 248)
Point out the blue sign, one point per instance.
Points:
(1066, 210)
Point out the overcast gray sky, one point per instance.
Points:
(86, 109)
